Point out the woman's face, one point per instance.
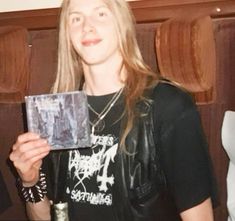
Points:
(92, 31)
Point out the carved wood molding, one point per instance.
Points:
(152, 10)
(144, 11)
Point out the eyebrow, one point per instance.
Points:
(96, 8)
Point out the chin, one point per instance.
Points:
(95, 60)
(92, 62)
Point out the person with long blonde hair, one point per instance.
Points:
(148, 159)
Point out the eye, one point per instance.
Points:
(102, 14)
(76, 19)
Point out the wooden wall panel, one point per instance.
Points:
(225, 36)
(43, 46)
(43, 60)
(212, 114)
(146, 39)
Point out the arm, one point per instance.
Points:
(39, 211)
(200, 212)
(27, 154)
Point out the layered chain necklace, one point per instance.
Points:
(99, 124)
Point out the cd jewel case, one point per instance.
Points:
(60, 118)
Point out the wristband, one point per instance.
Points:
(36, 193)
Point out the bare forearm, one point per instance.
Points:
(200, 212)
(39, 211)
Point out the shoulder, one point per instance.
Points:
(170, 102)
(169, 95)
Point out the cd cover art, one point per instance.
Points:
(60, 118)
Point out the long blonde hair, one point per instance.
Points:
(139, 75)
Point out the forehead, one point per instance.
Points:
(85, 4)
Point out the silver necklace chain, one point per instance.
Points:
(98, 124)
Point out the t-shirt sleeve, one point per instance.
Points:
(184, 153)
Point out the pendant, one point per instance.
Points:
(61, 212)
(98, 125)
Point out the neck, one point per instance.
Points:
(105, 78)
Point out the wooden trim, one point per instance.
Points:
(154, 11)
(162, 3)
(144, 11)
(31, 19)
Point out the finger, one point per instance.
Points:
(23, 138)
(34, 162)
(27, 147)
(31, 145)
(24, 166)
(34, 152)
(26, 137)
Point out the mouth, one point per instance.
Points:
(90, 42)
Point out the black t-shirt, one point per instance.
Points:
(184, 150)
(184, 156)
(90, 170)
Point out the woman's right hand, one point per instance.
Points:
(27, 154)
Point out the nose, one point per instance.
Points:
(88, 25)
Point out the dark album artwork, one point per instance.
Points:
(60, 118)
